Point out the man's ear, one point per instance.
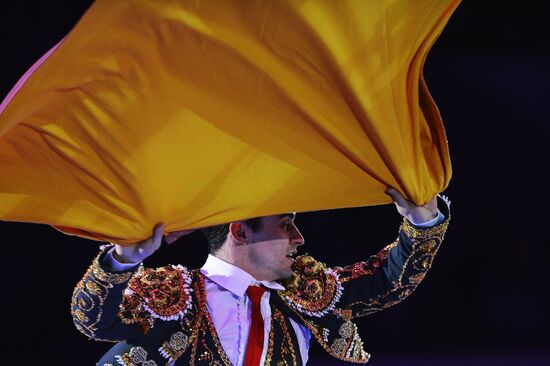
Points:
(236, 230)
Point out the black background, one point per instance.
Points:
(486, 300)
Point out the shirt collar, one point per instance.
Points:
(233, 278)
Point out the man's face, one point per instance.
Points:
(269, 249)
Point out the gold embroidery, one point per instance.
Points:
(163, 292)
(355, 352)
(424, 234)
(425, 243)
(136, 356)
(132, 311)
(325, 332)
(366, 268)
(80, 315)
(339, 346)
(287, 347)
(416, 279)
(205, 325)
(93, 288)
(85, 303)
(270, 343)
(313, 289)
(90, 294)
(109, 277)
(349, 345)
(428, 246)
(346, 330)
(175, 347)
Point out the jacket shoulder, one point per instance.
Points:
(313, 289)
(313, 292)
(163, 293)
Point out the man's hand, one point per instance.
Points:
(139, 251)
(415, 214)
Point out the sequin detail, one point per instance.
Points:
(313, 289)
(175, 347)
(349, 345)
(90, 294)
(136, 356)
(163, 293)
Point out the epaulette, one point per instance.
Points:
(162, 293)
(313, 289)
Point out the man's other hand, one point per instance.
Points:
(415, 214)
(138, 252)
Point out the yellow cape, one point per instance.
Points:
(196, 113)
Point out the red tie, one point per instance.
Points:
(255, 343)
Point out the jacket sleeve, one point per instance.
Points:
(142, 309)
(327, 299)
(96, 303)
(392, 274)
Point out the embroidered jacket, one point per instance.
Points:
(159, 316)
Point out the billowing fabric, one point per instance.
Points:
(195, 113)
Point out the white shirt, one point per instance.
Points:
(231, 309)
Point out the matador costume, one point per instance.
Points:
(159, 316)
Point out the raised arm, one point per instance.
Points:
(327, 299)
(378, 282)
(97, 297)
(392, 274)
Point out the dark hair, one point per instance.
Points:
(217, 234)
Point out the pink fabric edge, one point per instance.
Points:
(26, 77)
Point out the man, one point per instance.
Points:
(251, 303)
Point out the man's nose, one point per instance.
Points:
(297, 238)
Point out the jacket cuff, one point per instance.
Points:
(102, 273)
